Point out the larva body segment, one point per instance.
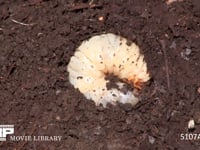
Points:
(80, 58)
(110, 51)
(93, 50)
(80, 81)
(102, 55)
(111, 96)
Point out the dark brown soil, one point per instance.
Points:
(37, 98)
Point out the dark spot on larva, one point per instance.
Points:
(92, 66)
(128, 43)
(127, 59)
(101, 97)
(112, 81)
(103, 89)
(132, 62)
(136, 64)
(114, 95)
(114, 54)
(120, 66)
(138, 58)
(123, 61)
(79, 77)
(101, 62)
(120, 43)
(94, 90)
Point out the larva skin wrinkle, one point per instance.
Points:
(107, 54)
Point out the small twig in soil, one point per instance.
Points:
(162, 43)
(82, 6)
(21, 23)
(91, 2)
(11, 69)
(168, 2)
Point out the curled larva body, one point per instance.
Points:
(107, 54)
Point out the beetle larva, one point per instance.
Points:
(107, 54)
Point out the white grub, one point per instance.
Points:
(107, 54)
(191, 124)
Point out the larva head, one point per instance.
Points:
(139, 76)
(133, 68)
